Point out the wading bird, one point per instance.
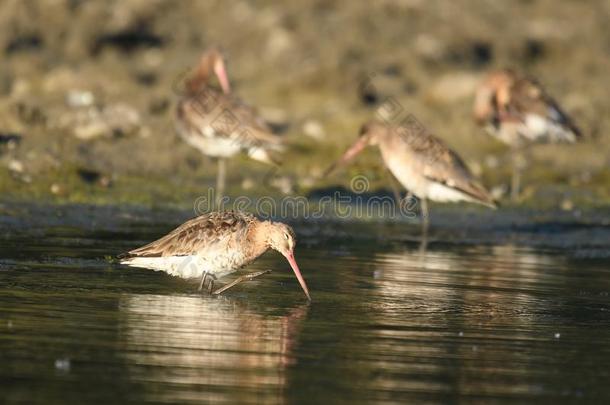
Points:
(215, 245)
(219, 124)
(518, 111)
(422, 163)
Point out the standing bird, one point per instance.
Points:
(422, 163)
(215, 245)
(518, 111)
(219, 124)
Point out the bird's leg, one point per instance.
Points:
(220, 181)
(211, 285)
(425, 217)
(517, 166)
(423, 245)
(202, 283)
(205, 277)
(247, 277)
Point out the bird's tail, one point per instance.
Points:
(480, 195)
(270, 156)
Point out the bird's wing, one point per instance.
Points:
(250, 122)
(196, 235)
(528, 97)
(442, 165)
(211, 113)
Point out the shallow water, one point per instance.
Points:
(505, 310)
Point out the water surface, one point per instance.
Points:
(505, 310)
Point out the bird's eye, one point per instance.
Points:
(286, 236)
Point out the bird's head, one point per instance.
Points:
(492, 94)
(213, 61)
(281, 237)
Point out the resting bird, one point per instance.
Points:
(215, 245)
(518, 111)
(219, 124)
(422, 163)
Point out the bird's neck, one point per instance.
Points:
(257, 239)
(200, 78)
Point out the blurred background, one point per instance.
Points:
(88, 88)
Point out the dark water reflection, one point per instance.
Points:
(482, 318)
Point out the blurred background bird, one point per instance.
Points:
(218, 123)
(422, 163)
(519, 112)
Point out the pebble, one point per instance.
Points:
(314, 129)
(62, 365)
(567, 205)
(283, 184)
(15, 166)
(93, 122)
(247, 183)
(429, 47)
(56, 189)
(79, 98)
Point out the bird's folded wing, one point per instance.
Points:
(211, 113)
(195, 236)
(529, 97)
(442, 165)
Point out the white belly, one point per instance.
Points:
(188, 266)
(534, 129)
(422, 187)
(209, 143)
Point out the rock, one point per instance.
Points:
(567, 205)
(57, 189)
(429, 47)
(79, 98)
(279, 41)
(284, 184)
(247, 183)
(15, 166)
(497, 192)
(17, 171)
(314, 129)
(94, 122)
(307, 182)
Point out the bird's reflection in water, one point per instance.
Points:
(445, 306)
(200, 349)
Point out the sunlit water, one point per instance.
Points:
(514, 310)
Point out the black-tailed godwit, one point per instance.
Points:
(219, 124)
(215, 245)
(518, 111)
(422, 163)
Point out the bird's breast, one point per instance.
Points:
(403, 166)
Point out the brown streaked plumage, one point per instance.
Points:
(422, 163)
(219, 124)
(518, 111)
(215, 245)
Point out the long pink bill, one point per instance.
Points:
(221, 74)
(353, 150)
(293, 263)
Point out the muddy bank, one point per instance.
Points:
(87, 91)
